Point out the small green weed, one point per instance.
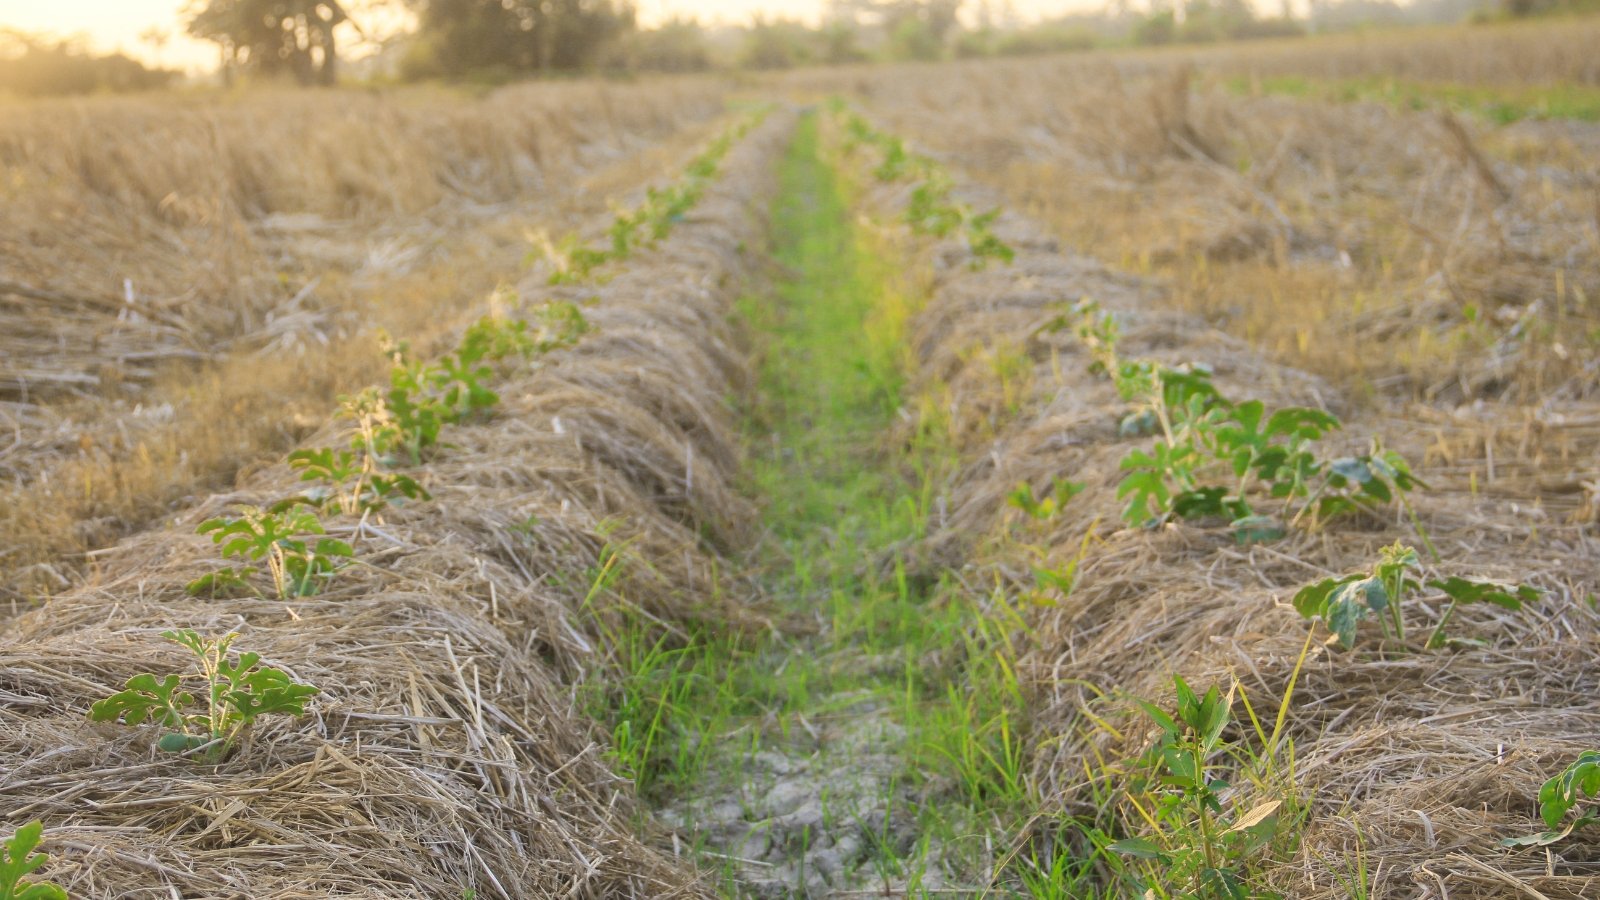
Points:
(1197, 845)
(235, 695)
(1045, 507)
(1501, 104)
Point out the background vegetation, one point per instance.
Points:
(308, 42)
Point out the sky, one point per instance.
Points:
(119, 24)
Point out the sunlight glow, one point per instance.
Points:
(124, 24)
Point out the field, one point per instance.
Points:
(1162, 473)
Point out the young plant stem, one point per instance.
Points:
(1436, 637)
(1394, 585)
(1416, 523)
(1202, 791)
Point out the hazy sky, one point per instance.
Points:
(118, 24)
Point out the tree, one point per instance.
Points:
(775, 44)
(273, 37)
(512, 37)
(677, 45)
(839, 44)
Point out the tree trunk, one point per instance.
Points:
(328, 75)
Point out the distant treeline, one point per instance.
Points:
(501, 40)
(32, 66)
(494, 39)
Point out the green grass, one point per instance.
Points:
(862, 632)
(1501, 104)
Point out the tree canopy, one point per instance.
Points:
(463, 37)
(273, 37)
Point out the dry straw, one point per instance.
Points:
(1417, 763)
(140, 231)
(446, 753)
(138, 370)
(1418, 254)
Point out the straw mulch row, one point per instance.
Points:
(140, 233)
(1444, 264)
(1421, 760)
(447, 752)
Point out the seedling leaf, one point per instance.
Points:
(145, 699)
(17, 859)
(1138, 848)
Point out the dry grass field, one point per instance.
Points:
(188, 284)
(1161, 473)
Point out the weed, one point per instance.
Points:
(1341, 603)
(18, 859)
(1044, 507)
(1500, 103)
(1197, 845)
(235, 695)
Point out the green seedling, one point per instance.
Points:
(17, 859)
(1353, 481)
(1198, 845)
(1341, 603)
(1560, 796)
(574, 260)
(1212, 454)
(421, 399)
(1045, 507)
(652, 221)
(1188, 410)
(1461, 590)
(462, 382)
(984, 243)
(415, 410)
(622, 233)
(234, 696)
(1096, 328)
(275, 536)
(896, 161)
(930, 210)
(351, 482)
(560, 324)
(424, 397)
(1097, 331)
